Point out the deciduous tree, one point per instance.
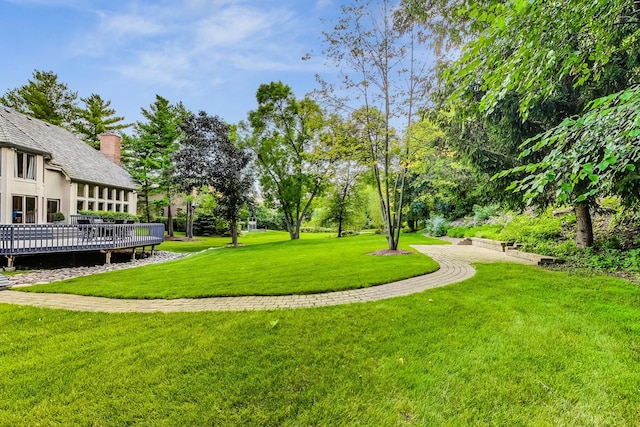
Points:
(539, 49)
(383, 76)
(284, 134)
(208, 157)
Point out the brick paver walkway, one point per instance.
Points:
(455, 266)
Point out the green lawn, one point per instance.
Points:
(515, 345)
(202, 243)
(315, 263)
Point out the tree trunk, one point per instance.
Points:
(189, 231)
(234, 232)
(584, 228)
(146, 206)
(169, 221)
(340, 226)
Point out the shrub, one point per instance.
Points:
(483, 213)
(58, 216)
(110, 216)
(437, 226)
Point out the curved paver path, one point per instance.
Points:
(455, 266)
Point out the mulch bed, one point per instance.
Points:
(389, 252)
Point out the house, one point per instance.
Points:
(45, 169)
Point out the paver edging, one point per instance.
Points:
(452, 270)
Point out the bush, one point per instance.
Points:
(209, 225)
(58, 216)
(110, 216)
(437, 226)
(483, 213)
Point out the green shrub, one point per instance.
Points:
(110, 216)
(483, 213)
(58, 216)
(437, 226)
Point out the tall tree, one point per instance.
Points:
(384, 76)
(97, 118)
(284, 134)
(208, 157)
(44, 98)
(148, 154)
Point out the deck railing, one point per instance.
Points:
(18, 239)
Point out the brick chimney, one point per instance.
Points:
(110, 146)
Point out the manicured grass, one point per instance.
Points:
(515, 345)
(201, 243)
(313, 264)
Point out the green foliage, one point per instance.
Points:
(44, 98)
(110, 216)
(97, 118)
(210, 225)
(437, 226)
(284, 134)
(147, 155)
(483, 213)
(58, 216)
(269, 219)
(207, 157)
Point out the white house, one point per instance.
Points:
(45, 169)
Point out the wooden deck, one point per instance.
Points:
(19, 239)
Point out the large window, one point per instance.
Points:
(25, 165)
(53, 206)
(24, 210)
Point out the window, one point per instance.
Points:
(100, 206)
(25, 165)
(126, 196)
(118, 194)
(81, 190)
(109, 194)
(79, 205)
(91, 206)
(24, 210)
(92, 191)
(53, 206)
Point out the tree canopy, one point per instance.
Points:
(284, 134)
(44, 97)
(96, 118)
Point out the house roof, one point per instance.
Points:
(61, 148)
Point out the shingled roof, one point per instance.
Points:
(61, 148)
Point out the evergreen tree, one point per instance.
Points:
(44, 98)
(97, 118)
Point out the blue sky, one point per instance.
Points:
(210, 54)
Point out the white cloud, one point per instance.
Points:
(177, 43)
(126, 25)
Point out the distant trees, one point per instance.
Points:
(284, 134)
(208, 157)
